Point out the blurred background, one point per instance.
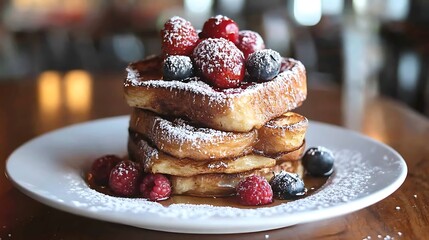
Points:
(365, 47)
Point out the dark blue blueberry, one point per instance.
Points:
(177, 67)
(287, 186)
(318, 161)
(263, 65)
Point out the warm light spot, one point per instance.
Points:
(49, 93)
(375, 134)
(34, 5)
(375, 122)
(52, 5)
(78, 91)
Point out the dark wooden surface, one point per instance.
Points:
(29, 108)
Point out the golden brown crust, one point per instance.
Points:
(179, 139)
(293, 155)
(282, 134)
(182, 140)
(155, 161)
(236, 109)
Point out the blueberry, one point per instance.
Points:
(318, 161)
(286, 185)
(177, 67)
(263, 65)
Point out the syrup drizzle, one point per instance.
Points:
(311, 183)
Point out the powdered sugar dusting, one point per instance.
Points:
(177, 29)
(220, 18)
(181, 130)
(216, 55)
(226, 97)
(195, 85)
(249, 42)
(346, 184)
(263, 62)
(250, 37)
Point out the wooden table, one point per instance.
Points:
(31, 107)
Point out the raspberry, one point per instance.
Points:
(101, 168)
(178, 37)
(249, 42)
(155, 187)
(254, 190)
(220, 27)
(219, 62)
(124, 178)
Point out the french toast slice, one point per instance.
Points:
(222, 185)
(155, 161)
(238, 109)
(182, 140)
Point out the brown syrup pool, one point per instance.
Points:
(311, 183)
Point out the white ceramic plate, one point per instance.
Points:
(50, 169)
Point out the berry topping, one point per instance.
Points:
(178, 37)
(124, 178)
(318, 161)
(254, 190)
(155, 187)
(101, 168)
(287, 186)
(177, 67)
(220, 27)
(249, 42)
(263, 65)
(219, 62)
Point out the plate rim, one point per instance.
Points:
(182, 226)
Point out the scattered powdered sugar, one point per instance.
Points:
(183, 131)
(217, 164)
(220, 18)
(194, 85)
(348, 182)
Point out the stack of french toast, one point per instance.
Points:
(207, 138)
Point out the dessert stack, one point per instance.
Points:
(215, 108)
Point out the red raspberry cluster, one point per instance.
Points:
(125, 178)
(219, 52)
